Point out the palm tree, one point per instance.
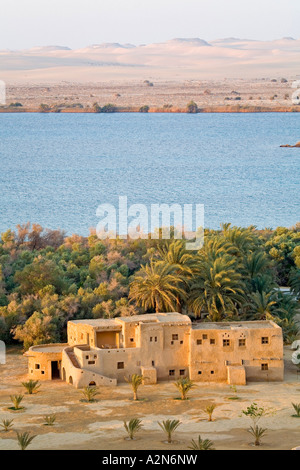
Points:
(133, 427)
(255, 264)
(296, 407)
(50, 420)
(169, 426)
(294, 282)
(184, 385)
(31, 386)
(16, 400)
(257, 433)
(135, 381)
(24, 439)
(7, 424)
(209, 410)
(201, 444)
(156, 286)
(261, 305)
(218, 288)
(90, 393)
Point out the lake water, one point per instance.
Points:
(55, 169)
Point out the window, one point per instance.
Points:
(226, 343)
(120, 365)
(199, 372)
(242, 342)
(181, 342)
(155, 339)
(212, 341)
(42, 372)
(182, 372)
(174, 337)
(91, 362)
(264, 340)
(132, 340)
(151, 339)
(212, 372)
(87, 357)
(153, 364)
(37, 366)
(171, 372)
(199, 341)
(172, 342)
(204, 336)
(264, 367)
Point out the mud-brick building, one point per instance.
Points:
(162, 346)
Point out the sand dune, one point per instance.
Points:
(178, 58)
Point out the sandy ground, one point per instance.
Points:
(164, 95)
(100, 425)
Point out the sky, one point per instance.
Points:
(78, 23)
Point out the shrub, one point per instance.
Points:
(133, 427)
(31, 386)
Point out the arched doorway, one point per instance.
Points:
(70, 380)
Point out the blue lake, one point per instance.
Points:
(55, 169)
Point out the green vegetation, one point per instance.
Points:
(90, 393)
(184, 385)
(135, 381)
(50, 420)
(258, 433)
(133, 426)
(31, 386)
(192, 107)
(48, 278)
(296, 407)
(144, 109)
(169, 427)
(6, 424)
(201, 444)
(24, 440)
(209, 410)
(16, 401)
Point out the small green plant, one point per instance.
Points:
(24, 439)
(31, 386)
(133, 426)
(6, 424)
(169, 427)
(296, 407)
(16, 401)
(90, 393)
(50, 420)
(192, 107)
(201, 444)
(209, 410)
(135, 381)
(258, 433)
(233, 388)
(184, 385)
(255, 413)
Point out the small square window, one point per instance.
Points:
(204, 336)
(172, 342)
(37, 366)
(87, 357)
(212, 341)
(242, 342)
(171, 372)
(199, 372)
(212, 372)
(151, 339)
(226, 343)
(199, 341)
(174, 337)
(181, 342)
(42, 372)
(264, 340)
(264, 367)
(120, 365)
(182, 372)
(132, 340)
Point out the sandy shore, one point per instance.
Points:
(100, 425)
(231, 95)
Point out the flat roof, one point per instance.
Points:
(233, 325)
(172, 317)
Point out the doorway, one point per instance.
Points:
(55, 374)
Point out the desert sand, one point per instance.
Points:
(99, 425)
(222, 75)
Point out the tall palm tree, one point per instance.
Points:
(156, 286)
(256, 263)
(218, 288)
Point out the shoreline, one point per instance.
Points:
(201, 110)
